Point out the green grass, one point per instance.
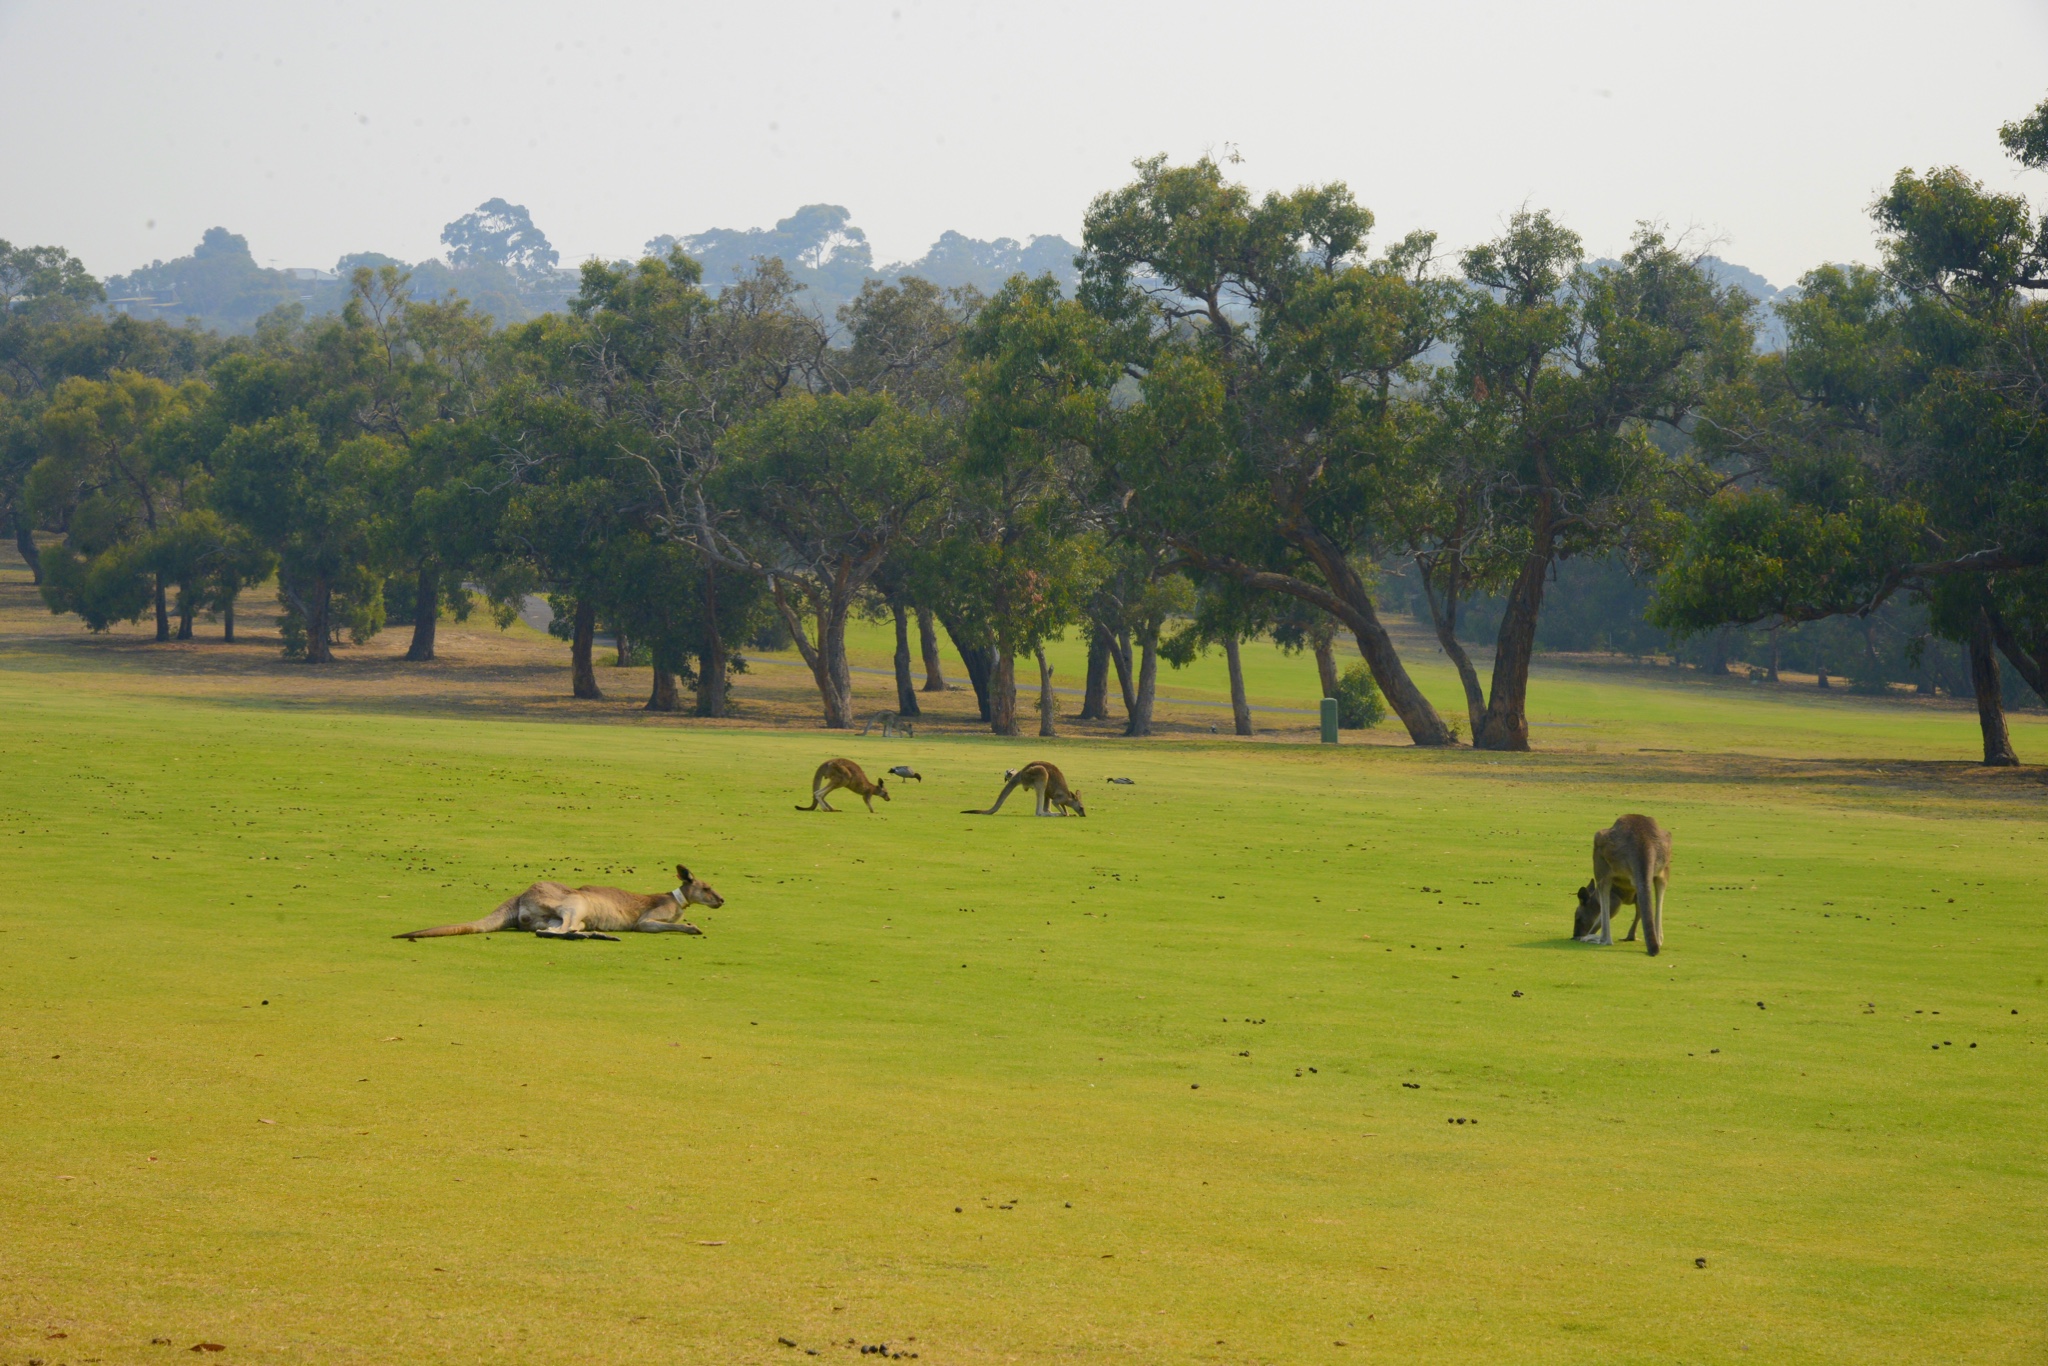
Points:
(1184, 1069)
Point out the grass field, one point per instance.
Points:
(1176, 1083)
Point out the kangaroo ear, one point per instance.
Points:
(682, 874)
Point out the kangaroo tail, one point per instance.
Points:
(503, 918)
(812, 807)
(1003, 796)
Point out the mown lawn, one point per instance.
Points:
(1176, 1083)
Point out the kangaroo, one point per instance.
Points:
(837, 773)
(1046, 782)
(1632, 858)
(891, 723)
(553, 911)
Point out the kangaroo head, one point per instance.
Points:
(882, 789)
(694, 890)
(1586, 918)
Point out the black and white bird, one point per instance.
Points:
(1125, 782)
(906, 771)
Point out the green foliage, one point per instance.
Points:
(1359, 704)
(2026, 140)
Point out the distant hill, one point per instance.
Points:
(221, 287)
(831, 257)
(503, 264)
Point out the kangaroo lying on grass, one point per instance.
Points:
(1046, 782)
(554, 911)
(1631, 859)
(834, 774)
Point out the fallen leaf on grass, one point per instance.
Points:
(266, 1121)
(704, 1242)
(206, 1347)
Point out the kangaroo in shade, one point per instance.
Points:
(553, 910)
(1631, 859)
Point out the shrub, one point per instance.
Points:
(1359, 704)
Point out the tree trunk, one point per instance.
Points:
(1002, 694)
(906, 686)
(1095, 696)
(582, 642)
(25, 542)
(1347, 599)
(712, 661)
(319, 648)
(1240, 709)
(928, 644)
(186, 609)
(1126, 681)
(426, 614)
(1772, 674)
(1990, 692)
(1821, 676)
(163, 611)
(1445, 617)
(667, 694)
(2031, 665)
(1326, 665)
(977, 663)
(1148, 679)
(625, 648)
(1505, 726)
(826, 656)
(1048, 705)
(227, 620)
(1717, 654)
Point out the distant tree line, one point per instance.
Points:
(1239, 422)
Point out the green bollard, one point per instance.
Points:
(1329, 720)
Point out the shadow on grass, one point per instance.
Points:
(1559, 945)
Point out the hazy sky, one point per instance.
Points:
(322, 129)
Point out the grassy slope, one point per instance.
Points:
(907, 1013)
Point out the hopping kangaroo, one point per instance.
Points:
(1046, 782)
(1631, 859)
(834, 774)
(554, 911)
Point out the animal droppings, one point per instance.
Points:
(1412, 1085)
(1699, 1262)
(1515, 993)
(785, 1342)
(1759, 1005)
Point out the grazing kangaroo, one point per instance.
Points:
(1046, 782)
(554, 911)
(837, 773)
(886, 720)
(1631, 859)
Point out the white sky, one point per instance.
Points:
(1768, 125)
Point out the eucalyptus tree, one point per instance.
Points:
(1896, 446)
(1019, 553)
(903, 340)
(298, 466)
(1273, 364)
(1547, 432)
(425, 372)
(812, 494)
(116, 477)
(669, 370)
